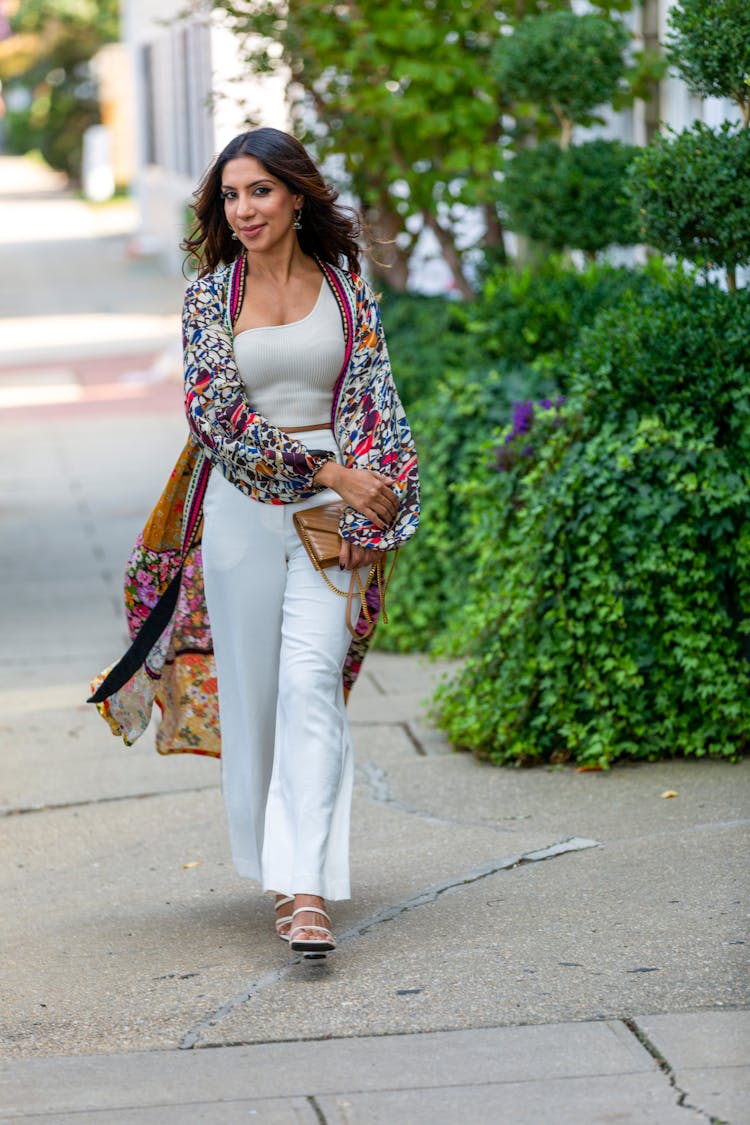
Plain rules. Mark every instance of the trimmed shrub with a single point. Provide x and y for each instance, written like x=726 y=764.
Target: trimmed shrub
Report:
x=570 y=197
x=566 y=63
x=608 y=610
x=709 y=43
x=690 y=192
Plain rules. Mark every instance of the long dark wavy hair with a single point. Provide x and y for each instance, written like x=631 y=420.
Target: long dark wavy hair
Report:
x=328 y=232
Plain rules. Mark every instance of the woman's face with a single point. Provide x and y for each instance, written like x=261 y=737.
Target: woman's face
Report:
x=258 y=207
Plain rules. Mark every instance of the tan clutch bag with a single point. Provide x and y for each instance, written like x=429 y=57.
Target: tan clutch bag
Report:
x=318 y=528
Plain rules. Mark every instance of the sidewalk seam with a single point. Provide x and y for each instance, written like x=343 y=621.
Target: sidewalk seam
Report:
x=26 y=809
x=375 y=780
x=666 y=1068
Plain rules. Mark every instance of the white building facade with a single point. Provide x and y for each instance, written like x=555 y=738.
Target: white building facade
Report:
x=192 y=95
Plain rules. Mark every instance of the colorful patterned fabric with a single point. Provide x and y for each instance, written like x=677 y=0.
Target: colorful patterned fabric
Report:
x=177 y=672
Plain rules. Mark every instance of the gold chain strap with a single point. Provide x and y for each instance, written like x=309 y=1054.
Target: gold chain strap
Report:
x=377 y=573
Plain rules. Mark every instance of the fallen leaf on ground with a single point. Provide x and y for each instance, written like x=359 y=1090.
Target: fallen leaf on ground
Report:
x=670 y=793
x=193 y=863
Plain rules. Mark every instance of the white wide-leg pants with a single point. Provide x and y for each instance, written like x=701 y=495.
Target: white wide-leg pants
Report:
x=280 y=640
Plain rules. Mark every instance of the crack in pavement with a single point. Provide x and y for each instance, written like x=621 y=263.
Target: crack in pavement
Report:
x=422 y=898
x=666 y=1068
x=313 y=1103
x=24 y=810
x=375 y=781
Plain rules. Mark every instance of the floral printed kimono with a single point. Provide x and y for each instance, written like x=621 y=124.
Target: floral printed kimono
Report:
x=171 y=660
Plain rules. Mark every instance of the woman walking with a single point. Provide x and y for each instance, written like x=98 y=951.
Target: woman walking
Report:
x=291 y=404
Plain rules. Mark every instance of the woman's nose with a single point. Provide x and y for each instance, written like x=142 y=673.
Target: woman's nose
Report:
x=245 y=206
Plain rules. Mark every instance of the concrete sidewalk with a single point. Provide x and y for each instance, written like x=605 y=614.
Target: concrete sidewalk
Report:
x=522 y=946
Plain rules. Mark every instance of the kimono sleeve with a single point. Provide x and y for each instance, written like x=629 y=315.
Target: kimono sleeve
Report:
x=251 y=453
x=377 y=431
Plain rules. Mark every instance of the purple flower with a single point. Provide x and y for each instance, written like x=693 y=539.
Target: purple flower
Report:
x=521 y=418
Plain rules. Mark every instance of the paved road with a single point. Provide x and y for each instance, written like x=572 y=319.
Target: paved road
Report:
x=523 y=946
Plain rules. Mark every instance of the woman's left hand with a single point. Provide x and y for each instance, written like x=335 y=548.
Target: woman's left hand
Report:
x=352 y=556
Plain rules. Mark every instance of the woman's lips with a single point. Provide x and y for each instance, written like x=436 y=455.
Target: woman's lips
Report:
x=249 y=232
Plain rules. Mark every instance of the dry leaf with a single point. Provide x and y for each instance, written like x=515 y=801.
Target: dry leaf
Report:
x=594 y=767
x=670 y=793
x=193 y=863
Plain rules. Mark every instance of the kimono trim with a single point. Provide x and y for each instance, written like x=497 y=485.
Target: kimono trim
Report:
x=178 y=671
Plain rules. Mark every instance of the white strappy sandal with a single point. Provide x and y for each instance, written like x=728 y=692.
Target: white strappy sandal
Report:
x=286 y=920
x=315 y=946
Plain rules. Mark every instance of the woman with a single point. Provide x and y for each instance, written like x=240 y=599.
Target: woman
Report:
x=289 y=393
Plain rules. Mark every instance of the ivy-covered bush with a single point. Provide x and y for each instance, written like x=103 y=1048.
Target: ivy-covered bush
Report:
x=426 y=337
x=458 y=382
x=450 y=429
x=608 y=615
x=517 y=317
x=522 y=315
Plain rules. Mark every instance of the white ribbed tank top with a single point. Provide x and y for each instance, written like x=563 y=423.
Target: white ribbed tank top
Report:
x=290 y=370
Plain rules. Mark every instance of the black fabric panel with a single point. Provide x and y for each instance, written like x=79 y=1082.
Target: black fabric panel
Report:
x=148 y=635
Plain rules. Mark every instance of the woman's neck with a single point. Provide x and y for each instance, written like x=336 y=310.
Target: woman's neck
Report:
x=279 y=265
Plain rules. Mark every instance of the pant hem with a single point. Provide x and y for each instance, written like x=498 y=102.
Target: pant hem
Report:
x=333 y=891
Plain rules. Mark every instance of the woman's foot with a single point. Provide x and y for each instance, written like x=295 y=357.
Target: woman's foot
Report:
x=284 y=906
x=310 y=927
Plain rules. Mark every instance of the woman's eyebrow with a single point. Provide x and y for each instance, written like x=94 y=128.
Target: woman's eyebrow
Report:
x=251 y=185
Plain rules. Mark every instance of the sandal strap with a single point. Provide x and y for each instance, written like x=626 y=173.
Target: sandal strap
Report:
x=306 y=929
x=282 y=922
x=283 y=902
x=310 y=910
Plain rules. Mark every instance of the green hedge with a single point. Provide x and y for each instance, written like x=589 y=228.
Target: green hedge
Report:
x=459 y=368
x=608 y=610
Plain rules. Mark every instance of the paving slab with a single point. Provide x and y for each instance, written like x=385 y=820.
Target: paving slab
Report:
x=721 y=1094
x=625 y=1100
x=708 y=1057
x=536 y=943
x=700 y=1039
x=143 y=889
x=259 y=1111
x=494 y=1055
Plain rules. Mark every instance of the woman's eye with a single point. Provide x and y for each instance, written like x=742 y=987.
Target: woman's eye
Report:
x=229 y=195
x=262 y=191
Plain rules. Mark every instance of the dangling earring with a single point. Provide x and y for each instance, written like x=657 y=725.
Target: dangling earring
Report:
x=297 y=224
x=236 y=237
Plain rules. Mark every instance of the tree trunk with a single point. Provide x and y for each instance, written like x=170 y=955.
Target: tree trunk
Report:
x=732 y=279
x=389 y=261
x=494 y=236
x=450 y=254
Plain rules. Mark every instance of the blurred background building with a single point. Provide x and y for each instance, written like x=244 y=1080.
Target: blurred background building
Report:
x=190 y=96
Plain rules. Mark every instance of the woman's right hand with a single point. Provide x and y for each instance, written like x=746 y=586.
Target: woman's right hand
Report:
x=366 y=490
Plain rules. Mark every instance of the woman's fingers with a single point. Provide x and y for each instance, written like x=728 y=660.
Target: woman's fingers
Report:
x=352 y=556
x=345 y=554
x=370 y=493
